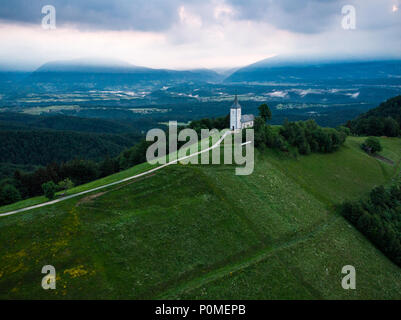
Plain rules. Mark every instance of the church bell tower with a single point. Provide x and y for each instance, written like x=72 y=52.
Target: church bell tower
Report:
x=235 y=115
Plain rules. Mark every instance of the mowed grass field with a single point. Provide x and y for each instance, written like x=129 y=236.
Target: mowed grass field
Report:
x=201 y=232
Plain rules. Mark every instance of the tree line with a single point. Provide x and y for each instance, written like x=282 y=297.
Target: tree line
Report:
x=305 y=136
x=25 y=185
x=379 y=219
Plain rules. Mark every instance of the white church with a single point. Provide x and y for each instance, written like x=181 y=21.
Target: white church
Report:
x=238 y=121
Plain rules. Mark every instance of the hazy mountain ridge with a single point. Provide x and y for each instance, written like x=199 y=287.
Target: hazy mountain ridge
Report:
x=279 y=69
x=83 y=69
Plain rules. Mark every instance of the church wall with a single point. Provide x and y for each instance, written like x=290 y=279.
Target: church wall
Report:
x=248 y=124
x=239 y=118
x=235 y=119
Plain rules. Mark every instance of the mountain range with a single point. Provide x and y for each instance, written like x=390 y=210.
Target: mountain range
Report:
x=110 y=71
x=296 y=70
x=100 y=74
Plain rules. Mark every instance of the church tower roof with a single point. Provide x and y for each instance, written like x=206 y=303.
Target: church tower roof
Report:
x=236 y=104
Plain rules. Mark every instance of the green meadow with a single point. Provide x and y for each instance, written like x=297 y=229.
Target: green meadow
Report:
x=201 y=232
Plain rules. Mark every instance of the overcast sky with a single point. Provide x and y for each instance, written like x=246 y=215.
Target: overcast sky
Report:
x=195 y=34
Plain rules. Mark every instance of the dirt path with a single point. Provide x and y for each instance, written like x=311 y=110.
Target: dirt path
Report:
x=90 y=198
x=384 y=159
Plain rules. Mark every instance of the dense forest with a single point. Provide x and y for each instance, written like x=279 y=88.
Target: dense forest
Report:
x=21 y=121
x=28 y=141
x=39 y=147
x=7 y=169
x=385 y=120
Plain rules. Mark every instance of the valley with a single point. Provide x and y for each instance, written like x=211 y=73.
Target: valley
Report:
x=330 y=93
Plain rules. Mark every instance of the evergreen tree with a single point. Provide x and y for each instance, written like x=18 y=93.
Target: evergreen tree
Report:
x=264 y=112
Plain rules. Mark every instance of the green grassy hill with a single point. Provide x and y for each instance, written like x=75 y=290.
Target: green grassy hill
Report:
x=203 y=232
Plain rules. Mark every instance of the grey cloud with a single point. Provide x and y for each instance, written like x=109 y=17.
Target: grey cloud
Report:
x=147 y=15
x=315 y=16
x=301 y=16
x=309 y=16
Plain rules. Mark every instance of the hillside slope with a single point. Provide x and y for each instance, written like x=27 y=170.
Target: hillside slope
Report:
x=202 y=232
x=384 y=120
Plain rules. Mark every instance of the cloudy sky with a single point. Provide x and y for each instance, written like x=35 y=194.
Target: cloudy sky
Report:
x=195 y=34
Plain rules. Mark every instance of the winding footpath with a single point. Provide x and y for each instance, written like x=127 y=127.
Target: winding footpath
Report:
x=118 y=182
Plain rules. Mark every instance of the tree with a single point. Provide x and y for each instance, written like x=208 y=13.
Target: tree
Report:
x=9 y=194
x=376 y=126
x=391 y=127
x=344 y=130
x=65 y=184
x=108 y=167
x=372 y=145
x=79 y=171
x=49 y=189
x=378 y=218
x=379 y=197
x=264 y=112
x=260 y=132
x=352 y=211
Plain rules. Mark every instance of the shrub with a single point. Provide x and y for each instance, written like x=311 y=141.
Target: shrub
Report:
x=9 y=194
x=65 y=184
x=345 y=130
x=49 y=189
x=372 y=145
